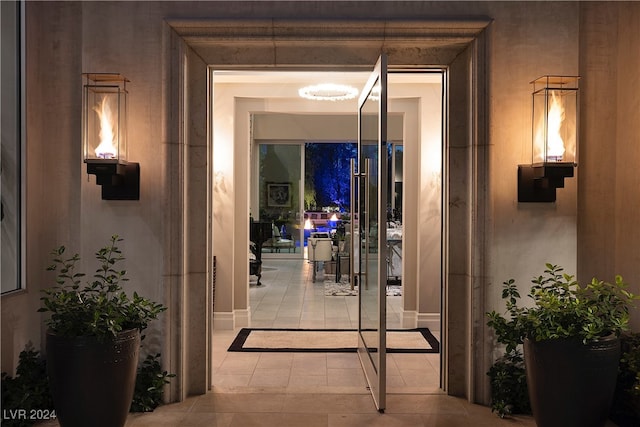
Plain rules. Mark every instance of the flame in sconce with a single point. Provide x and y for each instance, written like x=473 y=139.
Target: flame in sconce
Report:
x=555 y=143
x=106 y=149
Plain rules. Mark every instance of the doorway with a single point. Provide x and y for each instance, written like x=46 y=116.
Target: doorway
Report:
x=279 y=125
x=461 y=52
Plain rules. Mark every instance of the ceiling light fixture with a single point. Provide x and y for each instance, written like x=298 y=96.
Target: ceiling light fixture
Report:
x=328 y=92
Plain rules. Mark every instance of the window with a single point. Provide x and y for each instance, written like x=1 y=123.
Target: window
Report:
x=11 y=113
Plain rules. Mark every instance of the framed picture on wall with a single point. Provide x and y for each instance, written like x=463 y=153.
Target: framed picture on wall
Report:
x=279 y=195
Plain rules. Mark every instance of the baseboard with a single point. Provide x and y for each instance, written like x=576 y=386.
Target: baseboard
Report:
x=222 y=320
x=409 y=319
x=225 y=321
x=242 y=318
x=429 y=320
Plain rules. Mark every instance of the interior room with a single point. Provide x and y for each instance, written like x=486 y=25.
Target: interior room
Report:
x=298 y=286
x=280 y=119
x=287 y=134
x=221 y=139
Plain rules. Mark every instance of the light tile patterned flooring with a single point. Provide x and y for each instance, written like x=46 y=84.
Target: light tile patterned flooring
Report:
x=315 y=389
x=288 y=298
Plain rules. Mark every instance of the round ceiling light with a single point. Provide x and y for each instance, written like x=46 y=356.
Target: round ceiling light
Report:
x=328 y=92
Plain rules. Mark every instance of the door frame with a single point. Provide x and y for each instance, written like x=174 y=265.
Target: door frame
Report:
x=195 y=45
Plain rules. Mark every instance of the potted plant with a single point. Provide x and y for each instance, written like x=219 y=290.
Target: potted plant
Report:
x=571 y=344
x=93 y=339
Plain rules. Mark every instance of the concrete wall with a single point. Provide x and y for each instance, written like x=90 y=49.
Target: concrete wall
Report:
x=609 y=182
x=53 y=164
x=592 y=225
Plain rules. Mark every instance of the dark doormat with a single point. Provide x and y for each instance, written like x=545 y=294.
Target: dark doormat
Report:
x=419 y=340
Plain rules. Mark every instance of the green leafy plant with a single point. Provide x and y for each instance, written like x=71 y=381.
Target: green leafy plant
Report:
x=100 y=308
x=629 y=378
x=509 y=394
x=28 y=391
x=309 y=198
x=626 y=404
x=562 y=309
x=630 y=362
x=150 y=382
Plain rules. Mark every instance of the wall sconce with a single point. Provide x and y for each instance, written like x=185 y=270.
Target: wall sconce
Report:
x=104 y=134
x=553 y=140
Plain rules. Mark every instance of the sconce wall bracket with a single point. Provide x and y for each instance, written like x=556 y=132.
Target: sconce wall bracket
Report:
x=119 y=180
x=537 y=183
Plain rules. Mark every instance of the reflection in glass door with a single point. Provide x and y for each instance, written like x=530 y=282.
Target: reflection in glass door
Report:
x=279 y=198
x=369 y=247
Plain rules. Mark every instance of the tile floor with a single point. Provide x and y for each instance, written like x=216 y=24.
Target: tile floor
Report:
x=288 y=298
x=314 y=389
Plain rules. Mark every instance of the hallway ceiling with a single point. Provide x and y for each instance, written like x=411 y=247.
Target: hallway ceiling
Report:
x=356 y=78
x=284 y=85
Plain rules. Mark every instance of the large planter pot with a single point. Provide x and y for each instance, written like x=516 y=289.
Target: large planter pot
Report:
x=92 y=381
x=571 y=384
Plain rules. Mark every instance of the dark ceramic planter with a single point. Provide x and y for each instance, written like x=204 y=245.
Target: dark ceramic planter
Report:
x=571 y=384
x=92 y=382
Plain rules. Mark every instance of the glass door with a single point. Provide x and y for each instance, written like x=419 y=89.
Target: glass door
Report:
x=368 y=230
